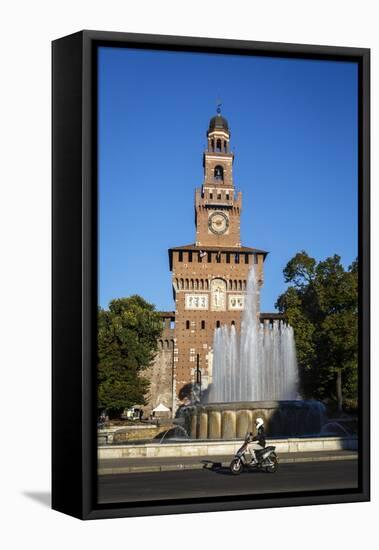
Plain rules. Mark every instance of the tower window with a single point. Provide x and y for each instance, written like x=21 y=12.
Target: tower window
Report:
x=180 y=256
x=209 y=258
x=218 y=146
x=187 y=325
x=213 y=144
x=233 y=323
x=190 y=256
x=218 y=324
x=237 y=258
x=219 y=173
x=211 y=196
x=225 y=147
x=255 y=258
x=227 y=196
x=203 y=325
x=228 y=258
x=219 y=196
x=246 y=258
x=218 y=257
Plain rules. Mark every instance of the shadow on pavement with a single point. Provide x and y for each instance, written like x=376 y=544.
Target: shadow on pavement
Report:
x=218 y=468
x=211 y=465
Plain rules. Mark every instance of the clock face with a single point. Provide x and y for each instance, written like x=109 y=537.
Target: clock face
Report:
x=218 y=223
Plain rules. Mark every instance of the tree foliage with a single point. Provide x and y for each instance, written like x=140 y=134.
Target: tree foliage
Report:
x=127 y=344
x=321 y=304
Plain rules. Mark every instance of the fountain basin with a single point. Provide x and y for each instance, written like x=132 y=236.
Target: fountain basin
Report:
x=233 y=420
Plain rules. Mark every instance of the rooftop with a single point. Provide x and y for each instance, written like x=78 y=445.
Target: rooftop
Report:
x=225 y=249
x=234 y=249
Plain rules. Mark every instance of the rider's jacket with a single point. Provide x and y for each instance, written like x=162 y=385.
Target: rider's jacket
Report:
x=260 y=438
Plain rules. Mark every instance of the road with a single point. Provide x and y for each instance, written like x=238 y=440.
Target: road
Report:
x=206 y=483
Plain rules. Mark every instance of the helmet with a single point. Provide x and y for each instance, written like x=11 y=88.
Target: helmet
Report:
x=259 y=422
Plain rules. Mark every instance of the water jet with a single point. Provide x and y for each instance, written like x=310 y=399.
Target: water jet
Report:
x=254 y=374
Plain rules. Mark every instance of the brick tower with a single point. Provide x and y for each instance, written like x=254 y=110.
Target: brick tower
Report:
x=209 y=277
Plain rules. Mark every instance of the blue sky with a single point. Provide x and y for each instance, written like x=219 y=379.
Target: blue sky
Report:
x=294 y=134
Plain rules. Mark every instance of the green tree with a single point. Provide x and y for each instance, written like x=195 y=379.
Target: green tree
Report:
x=321 y=304
x=127 y=344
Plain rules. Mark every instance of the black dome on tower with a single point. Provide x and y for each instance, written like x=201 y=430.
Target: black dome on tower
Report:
x=218 y=122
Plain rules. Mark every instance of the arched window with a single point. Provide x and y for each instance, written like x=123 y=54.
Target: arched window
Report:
x=218 y=146
x=225 y=147
x=213 y=144
x=187 y=325
x=218 y=324
x=219 y=173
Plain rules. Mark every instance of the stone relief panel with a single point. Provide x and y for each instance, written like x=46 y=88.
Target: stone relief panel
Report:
x=196 y=301
x=236 y=301
x=218 y=295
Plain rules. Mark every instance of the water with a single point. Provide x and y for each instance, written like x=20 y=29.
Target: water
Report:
x=257 y=364
x=173 y=435
x=336 y=428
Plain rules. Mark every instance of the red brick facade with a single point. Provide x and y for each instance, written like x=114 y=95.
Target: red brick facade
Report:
x=209 y=279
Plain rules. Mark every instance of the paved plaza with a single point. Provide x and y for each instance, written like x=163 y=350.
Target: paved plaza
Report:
x=290 y=477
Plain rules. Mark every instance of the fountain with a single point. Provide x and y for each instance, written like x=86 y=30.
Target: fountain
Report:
x=255 y=374
x=258 y=364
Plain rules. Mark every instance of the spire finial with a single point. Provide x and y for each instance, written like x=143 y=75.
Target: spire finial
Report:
x=218 y=106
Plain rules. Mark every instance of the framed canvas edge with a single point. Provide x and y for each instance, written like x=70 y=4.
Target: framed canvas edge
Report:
x=81 y=376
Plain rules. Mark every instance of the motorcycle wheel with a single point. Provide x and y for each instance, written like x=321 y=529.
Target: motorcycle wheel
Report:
x=236 y=466
x=273 y=466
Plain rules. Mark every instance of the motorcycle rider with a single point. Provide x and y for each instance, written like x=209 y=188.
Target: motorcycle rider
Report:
x=257 y=442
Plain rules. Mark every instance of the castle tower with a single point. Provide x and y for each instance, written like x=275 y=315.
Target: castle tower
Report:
x=209 y=277
x=217 y=210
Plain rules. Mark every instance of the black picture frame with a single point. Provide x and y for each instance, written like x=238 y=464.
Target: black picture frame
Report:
x=74 y=272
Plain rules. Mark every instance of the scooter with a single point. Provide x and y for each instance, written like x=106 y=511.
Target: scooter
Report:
x=266 y=459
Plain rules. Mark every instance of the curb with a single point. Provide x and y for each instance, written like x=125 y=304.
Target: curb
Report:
x=203 y=465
